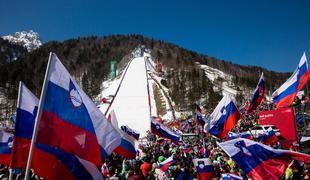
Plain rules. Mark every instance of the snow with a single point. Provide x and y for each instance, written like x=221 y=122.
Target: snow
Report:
x=131 y=102
x=30 y=39
x=213 y=74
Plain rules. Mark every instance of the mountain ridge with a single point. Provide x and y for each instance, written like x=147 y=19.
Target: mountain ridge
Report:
x=88 y=58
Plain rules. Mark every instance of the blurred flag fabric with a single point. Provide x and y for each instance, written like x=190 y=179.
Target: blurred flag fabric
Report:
x=260 y=161
x=269 y=137
x=6 y=141
x=204 y=168
x=166 y=163
x=229 y=176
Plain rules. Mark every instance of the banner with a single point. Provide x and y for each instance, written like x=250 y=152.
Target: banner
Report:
x=283 y=119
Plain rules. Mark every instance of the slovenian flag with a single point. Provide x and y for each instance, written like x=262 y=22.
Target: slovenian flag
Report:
x=204 y=168
x=229 y=176
x=269 y=137
x=163 y=131
x=232 y=135
x=243 y=108
x=27 y=107
x=70 y=122
x=64 y=164
x=54 y=163
x=285 y=95
x=131 y=132
x=259 y=95
x=166 y=164
x=6 y=141
x=223 y=118
x=199 y=117
x=260 y=161
x=126 y=148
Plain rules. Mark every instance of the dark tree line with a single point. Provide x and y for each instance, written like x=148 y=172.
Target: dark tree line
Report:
x=88 y=58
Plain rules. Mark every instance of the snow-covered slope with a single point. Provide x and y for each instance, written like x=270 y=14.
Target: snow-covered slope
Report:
x=131 y=102
x=30 y=39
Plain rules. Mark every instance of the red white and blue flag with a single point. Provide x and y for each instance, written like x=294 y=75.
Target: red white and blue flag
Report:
x=163 y=131
x=54 y=163
x=224 y=117
x=260 y=161
x=6 y=141
x=64 y=164
x=130 y=132
x=71 y=121
x=126 y=148
x=285 y=95
x=204 y=168
x=269 y=137
x=105 y=170
x=166 y=163
x=259 y=95
x=244 y=107
x=229 y=176
x=71 y=128
x=232 y=135
x=27 y=106
x=199 y=117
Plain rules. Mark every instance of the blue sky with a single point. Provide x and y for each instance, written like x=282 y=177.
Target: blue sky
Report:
x=268 y=33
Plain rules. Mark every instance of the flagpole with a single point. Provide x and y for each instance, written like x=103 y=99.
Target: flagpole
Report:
x=18 y=105
x=38 y=117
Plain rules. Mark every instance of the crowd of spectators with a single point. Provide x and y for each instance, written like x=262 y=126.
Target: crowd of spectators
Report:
x=155 y=150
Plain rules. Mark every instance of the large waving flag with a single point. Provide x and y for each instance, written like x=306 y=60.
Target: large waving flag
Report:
x=259 y=95
x=285 y=95
x=26 y=112
x=6 y=141
x=166 y=163
x=71 y=121
x=204 y=168
x=126 y=148
x=260 y=161
x=224 y=117
x=69 y=126
x=163 y=131
x=65 y=166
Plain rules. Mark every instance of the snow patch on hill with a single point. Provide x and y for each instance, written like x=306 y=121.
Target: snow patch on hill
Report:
x=221 y=80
